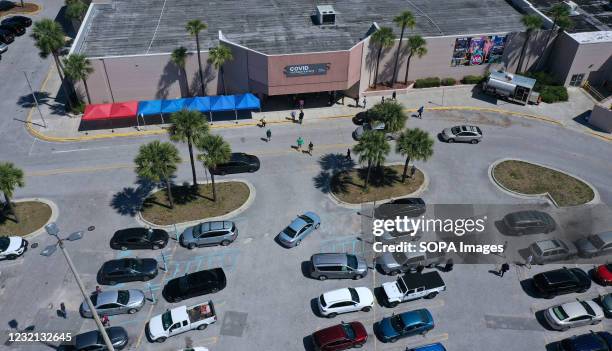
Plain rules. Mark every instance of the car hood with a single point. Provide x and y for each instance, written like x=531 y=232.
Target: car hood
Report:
x=447 y=131
x=149 y=265
x=387 y=260
x=15 y=243
x=584 y=245
x=285 y=238
x=172 y=288
x=156 y=328
x=362 y=264
x=136 y=297
x=606 y=301
x=391 y=290
x=117 y=335
x=365 y=295
x=386 y=329
x=188 y=234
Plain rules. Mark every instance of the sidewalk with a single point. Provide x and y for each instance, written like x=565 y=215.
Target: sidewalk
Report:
x=570 y=114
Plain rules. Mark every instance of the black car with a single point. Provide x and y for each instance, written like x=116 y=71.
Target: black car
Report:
x=239 y=163
x=92 y=340
x=406 y=207
x=529 y=222
x=195 y=284
x=139 y=238
x=593 y=341
x=14 y=28
x=127 y=270
x=561 y=281
x=20 y=20
x=6 y=36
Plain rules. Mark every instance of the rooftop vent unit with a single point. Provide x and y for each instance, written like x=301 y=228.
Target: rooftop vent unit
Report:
x=573 y=7
x=326 y=15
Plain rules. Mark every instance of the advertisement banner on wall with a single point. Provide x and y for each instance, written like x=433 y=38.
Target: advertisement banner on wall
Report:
x=473 y=51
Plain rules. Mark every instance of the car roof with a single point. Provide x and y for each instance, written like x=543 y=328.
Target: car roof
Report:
x=549 y=244
x=590 y=341
x=337 y=295
x=559 y=275
x=431 y=347
x=416 y=316
x=216 y=225
x=105 y=297
x=529 y=216
x=606 y=237
x=329 y=258
x=330 y=334
x=574 y=309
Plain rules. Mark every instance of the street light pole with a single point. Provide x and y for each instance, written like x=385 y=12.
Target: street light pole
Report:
x=35 y=100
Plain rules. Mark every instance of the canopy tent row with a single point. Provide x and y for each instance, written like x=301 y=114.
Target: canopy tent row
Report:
x=110 y=112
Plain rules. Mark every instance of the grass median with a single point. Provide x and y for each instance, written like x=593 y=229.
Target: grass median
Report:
x=530 y=179
x=32 y=216
x=192 y=205
x=348 y=186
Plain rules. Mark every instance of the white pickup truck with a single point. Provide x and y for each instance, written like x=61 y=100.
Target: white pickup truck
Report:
x=181 y=319
x=413 y=286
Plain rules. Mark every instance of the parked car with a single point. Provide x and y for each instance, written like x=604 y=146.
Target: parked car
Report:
x=551 y=250
x=3 y=48
x=6 y=36
x=195 y=284
x=372 y=126
x=393 y=263
x=529 y=222
x=593 y=341
x=413 y=286
x=430 y=347
x=21 y=20
x=561 y=281
x=338 y=265
x=405 y=324
x=197 y=348
x=345 y=300
x=606 y=304
x=595 y=245
x=573 y=314
x=139 y=238
x=113 y=302
x=181 y=319
x=92 y=340
x=603 y=274
x=238 y=163
x=464 y=133
x=12 y=247
x=404 y=207
x=340 y=337
x=14 y=28
x=127 y=270
x=298 y=229
x=209 y=233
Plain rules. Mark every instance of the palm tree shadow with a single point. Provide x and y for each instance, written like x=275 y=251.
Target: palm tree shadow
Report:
x=131 y=200
x=379 y=176
x=334 y=169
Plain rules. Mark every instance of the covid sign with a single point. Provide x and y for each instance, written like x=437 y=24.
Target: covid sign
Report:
x=311 y=69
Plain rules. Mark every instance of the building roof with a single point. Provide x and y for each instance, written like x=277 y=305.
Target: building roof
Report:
x=589 y=15
x=136 y=27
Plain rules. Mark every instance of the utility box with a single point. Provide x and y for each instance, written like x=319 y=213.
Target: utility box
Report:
x=326 y=15
x=512 y=87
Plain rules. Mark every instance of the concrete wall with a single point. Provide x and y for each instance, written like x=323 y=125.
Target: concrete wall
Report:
x=593 y=60
x=601 y=117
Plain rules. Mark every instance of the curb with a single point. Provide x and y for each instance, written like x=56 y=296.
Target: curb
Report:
x=52 y=218
x=239 y=210
x=424 y=186
x=596 y=199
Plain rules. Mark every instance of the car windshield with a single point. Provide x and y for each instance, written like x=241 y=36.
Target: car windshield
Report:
x=306 y=219
x=587 y=308
x=348 y=330
x=455 y=130
x=322 y=300
x=183 y=283
x=397 y=323
x=609 y=267
x=123 y=296
x=352 y=261
x=166 y=320
x=402 y=286
x=399 y=257
x=290 y=232
x=537 y=250
x=560 y=313
x=4 y=243
x=197 y=230
x=596 y=241
x=354 y=295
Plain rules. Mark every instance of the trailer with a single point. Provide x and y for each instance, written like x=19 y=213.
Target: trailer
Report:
x=512 y=87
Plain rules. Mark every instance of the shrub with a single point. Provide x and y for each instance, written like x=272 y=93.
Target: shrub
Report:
x=448 y=81
x=427 y=82
x=78 y=108
x=553 y=93
x=542 y=80
x=472 y=79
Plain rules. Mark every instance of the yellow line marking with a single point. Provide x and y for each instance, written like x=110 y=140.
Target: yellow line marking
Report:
x=79 y=170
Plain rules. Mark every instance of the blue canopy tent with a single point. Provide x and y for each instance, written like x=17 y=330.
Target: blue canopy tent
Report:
x=201 y=104
x=149 y=108
x=222 y=103
x=247 y=102
x=176 y=105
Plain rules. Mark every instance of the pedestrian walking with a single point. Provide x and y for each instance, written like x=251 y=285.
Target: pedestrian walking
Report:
x=301 y=116
x=310 y=147
x=412 y=171
x=364 y=102
x=342 y=99
x=529 y=261
x=504 y=268
x=348 y=154
x=382 y=99
x=299 y=142
x=263 y=122
x=420 y=111
x=63 y=311
x=269 y=134
x=394 y=95
x=301 y=104
x=98 y=289
x=449 y=265
x=293 y=116
x=357 y=101
x=105 y=321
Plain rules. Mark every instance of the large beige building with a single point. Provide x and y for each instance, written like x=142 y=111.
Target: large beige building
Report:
x=285 y=47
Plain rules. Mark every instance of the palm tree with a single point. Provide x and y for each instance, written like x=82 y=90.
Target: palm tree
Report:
x=194 y=27
x=75 y=10
x=385 y=38
x=531 y=23
x=157 y=161
x=10 y=177
x=405 y=19
x=77 y=67
x=414 y=144
x=391 y=113
x=560 y=15
x=372 y=149
x=188 y=126
x=416 y=46
x=218 y=57
x=215 y=152
x=179 y=58
x=49 y=39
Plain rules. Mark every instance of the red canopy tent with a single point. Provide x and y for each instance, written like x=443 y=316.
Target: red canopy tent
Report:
x=127 y=109
x=97 y=112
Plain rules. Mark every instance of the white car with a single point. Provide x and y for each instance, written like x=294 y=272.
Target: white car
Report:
x=12 y=247
x=574 y=314
x=345 y=300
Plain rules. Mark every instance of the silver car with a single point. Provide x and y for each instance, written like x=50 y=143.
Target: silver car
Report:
x=551 y=250
x=113 y=302
x=465 y=133
x=298 y=229
x=209 y=233
x=374 y=125
x=574 y=314
x=394 y=263
x=595 y=245
x=338 y=266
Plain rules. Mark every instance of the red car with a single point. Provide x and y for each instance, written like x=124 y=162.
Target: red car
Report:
x=340 y=337
x=603 y=274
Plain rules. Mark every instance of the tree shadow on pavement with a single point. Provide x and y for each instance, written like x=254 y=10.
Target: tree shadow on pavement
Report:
x=333 y=170
x=130 y=200
x=43 y=98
